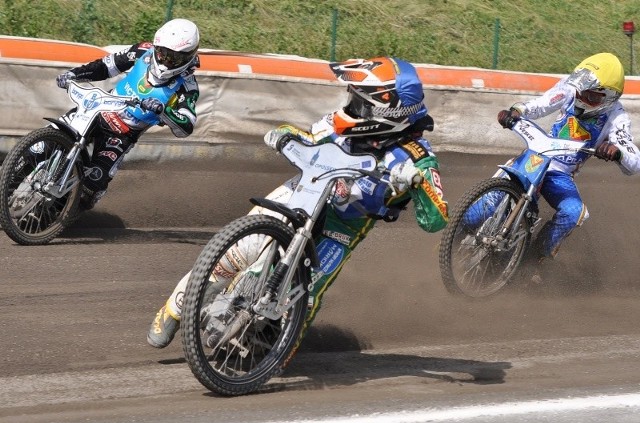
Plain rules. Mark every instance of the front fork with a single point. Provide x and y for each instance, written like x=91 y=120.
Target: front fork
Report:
x=507 y=236
x=60 y=184
x=284 y=271
x=277 y=300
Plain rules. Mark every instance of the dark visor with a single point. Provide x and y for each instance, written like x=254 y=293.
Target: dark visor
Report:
x=170 y=58
x=592 y=97
x=360 y=108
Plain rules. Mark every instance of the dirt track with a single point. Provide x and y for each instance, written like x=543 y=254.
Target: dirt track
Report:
x=84 y=303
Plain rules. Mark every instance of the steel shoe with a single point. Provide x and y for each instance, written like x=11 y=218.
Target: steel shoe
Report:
x=163 y=328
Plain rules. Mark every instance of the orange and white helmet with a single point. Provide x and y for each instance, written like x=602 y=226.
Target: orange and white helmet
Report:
x=385 y=97
x=175 y=46
x=599 y=82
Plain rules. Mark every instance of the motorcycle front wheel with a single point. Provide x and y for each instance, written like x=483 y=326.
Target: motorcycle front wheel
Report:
x=30 y=215
x=474 y=260
x=230 y=347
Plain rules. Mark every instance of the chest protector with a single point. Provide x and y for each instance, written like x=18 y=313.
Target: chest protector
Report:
x=571 y=128
x=135 y=84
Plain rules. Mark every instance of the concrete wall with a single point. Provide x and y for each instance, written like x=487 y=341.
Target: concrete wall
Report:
x=236 y=109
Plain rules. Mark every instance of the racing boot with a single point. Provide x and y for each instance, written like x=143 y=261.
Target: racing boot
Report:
x=163 y=328
x=531 y=266
x=89 y=198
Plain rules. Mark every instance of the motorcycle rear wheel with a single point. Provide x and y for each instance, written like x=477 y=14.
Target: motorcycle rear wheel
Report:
x=469 y=264
x=231 y=349
x=28 y=214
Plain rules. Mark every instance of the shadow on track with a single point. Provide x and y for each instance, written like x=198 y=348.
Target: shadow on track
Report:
x=99 y=227
x=331 y=357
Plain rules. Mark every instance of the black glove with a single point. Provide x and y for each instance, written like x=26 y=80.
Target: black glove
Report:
x=63 y=79
x=152 y=104
x=608 y=151
x=507 y=118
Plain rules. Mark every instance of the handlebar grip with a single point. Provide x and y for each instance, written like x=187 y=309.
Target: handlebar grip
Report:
x=284 y=140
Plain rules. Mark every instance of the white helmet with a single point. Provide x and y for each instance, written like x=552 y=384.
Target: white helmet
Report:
x=175 y=47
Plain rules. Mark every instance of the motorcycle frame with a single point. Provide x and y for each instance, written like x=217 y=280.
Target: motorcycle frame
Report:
x=529 y=169
x=302 y=215
x=91 y=101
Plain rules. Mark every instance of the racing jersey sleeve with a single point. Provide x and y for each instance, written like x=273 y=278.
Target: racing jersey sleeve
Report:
x=431 y=210
x=319 y=133
x=180 y=116
x=112 y=64
x=559 y=97
x=620 y=135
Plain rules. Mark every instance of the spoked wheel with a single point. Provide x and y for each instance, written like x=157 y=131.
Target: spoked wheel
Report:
x=474 y=260
x=29 y=214
x=231 y=348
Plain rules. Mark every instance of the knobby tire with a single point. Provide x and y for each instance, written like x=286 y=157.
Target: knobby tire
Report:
x=283 y=333
x=452 y=242
x=49 y=217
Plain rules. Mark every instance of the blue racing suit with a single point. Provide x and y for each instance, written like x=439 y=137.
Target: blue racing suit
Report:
x=558 y=187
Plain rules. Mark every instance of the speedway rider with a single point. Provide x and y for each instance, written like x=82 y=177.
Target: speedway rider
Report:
x=589 y=110
x=385 y=115
x=161 y=75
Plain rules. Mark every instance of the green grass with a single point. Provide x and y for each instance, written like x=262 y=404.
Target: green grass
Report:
x=547 y=36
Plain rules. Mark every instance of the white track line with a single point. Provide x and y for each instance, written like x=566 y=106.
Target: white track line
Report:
x=505 y=409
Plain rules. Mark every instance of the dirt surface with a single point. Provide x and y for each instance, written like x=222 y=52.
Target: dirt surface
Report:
x=74 y=314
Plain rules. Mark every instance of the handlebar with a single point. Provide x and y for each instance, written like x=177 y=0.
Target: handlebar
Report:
x=131 y=101
x=134 y=102
x=350 y=172
x=590 y=151
x=586 y=150
x=379 y=174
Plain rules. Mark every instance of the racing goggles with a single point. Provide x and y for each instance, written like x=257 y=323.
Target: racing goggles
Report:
x=359 y=107
x=593 y=97
x=170 y=58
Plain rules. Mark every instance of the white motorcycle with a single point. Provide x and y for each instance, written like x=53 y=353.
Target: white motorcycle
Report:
x=242 y=314
x=41 y=177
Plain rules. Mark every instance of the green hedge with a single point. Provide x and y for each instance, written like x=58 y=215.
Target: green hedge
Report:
x=547 y=36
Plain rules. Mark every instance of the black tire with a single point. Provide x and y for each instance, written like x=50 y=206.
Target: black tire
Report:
x=468 y=264
x=28 y=215
x=246 y=349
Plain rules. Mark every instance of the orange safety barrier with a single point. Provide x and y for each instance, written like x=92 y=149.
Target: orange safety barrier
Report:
x=244 y=63
x=49 y=50
x=265 y=65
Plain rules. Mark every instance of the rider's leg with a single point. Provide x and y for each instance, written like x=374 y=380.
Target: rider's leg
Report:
x=561 y=192
x=167 y=320
x=336 y=243
x=108 y=153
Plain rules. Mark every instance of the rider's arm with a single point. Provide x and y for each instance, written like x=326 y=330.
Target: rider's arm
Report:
x=181 y=116
x=428 y=198
x=320 y=132
x=557 y=97
x=110 y=65
x=620 y=136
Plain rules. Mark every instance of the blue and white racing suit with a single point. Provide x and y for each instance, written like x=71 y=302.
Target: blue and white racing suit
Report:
x=558 y=188
x=120 y=130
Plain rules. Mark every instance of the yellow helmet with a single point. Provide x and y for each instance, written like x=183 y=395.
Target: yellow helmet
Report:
x=599 y=82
